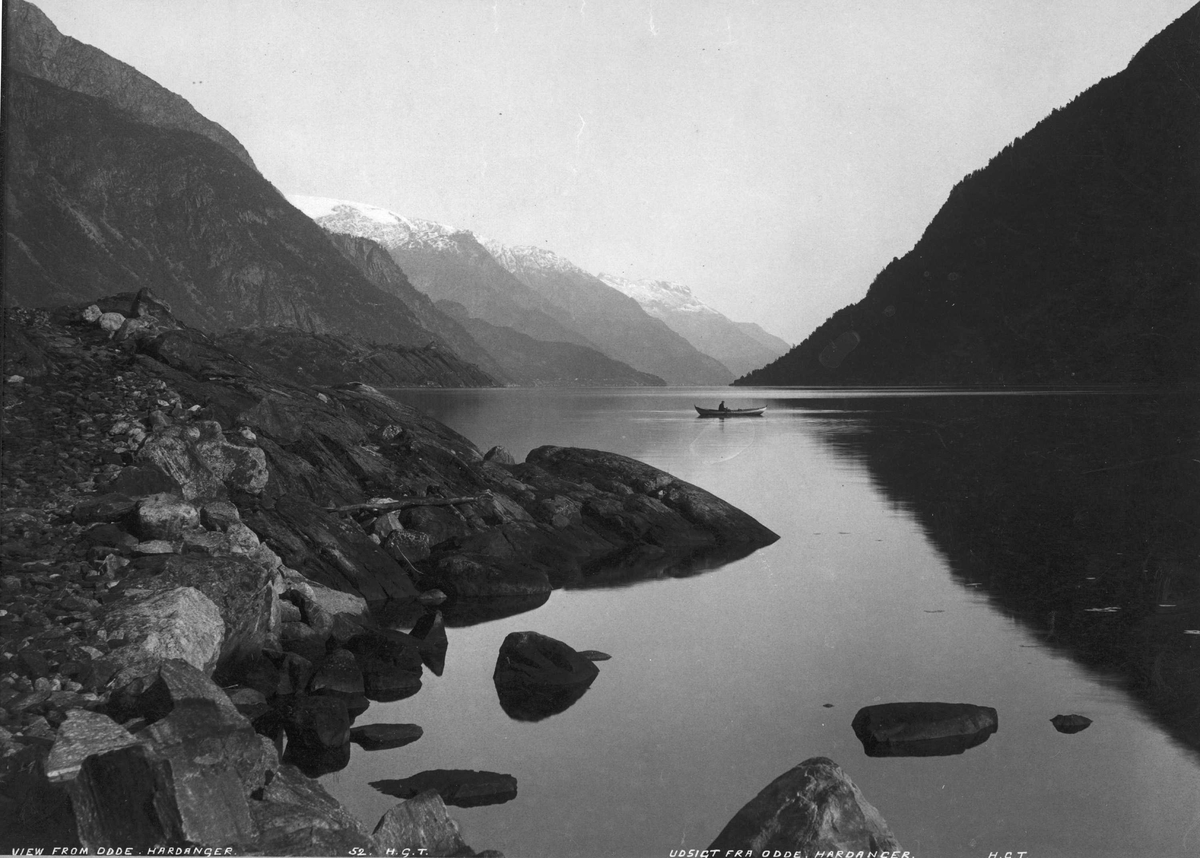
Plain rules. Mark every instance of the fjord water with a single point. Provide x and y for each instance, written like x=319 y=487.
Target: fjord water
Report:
x=1033 y=552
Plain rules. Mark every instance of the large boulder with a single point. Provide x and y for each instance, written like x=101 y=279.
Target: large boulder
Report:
x=135 y=798
x=239 y=586
x=337 y=673
x=296 y=816
x=240 y=467
x=165 y=516
x=419 y=826
x=390 y=662
x=83 y=734
x=537 y=676
x=698 y=510
x=172 y=450
x=180 y=622
x=811 y=809
x=317 y=722
x=923 y=729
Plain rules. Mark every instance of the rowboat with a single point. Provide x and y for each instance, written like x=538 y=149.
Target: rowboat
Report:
x=730 y=412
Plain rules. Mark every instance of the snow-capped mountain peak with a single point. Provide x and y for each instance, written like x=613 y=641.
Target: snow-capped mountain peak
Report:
x=528 y=256
x=379 y=224
x=659 y=296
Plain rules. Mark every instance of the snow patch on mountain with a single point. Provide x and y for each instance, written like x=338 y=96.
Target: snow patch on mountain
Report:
x=659 y=297
x=378 y=224
x=529 y=257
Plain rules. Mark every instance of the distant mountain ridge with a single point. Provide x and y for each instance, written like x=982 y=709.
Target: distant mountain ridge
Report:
x=615 y=322
x=444 y=263
x=740 y=347
x=33 y=45
x=528 y=290
x=377 y=265
x=1073 y=257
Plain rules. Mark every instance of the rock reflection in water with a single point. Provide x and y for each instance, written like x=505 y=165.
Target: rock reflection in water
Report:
x=537 y=704
x=1075 y=513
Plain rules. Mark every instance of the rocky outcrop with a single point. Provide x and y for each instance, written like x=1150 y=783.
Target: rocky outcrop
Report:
x=255 y=520
x=923 y=729
x=810 y=809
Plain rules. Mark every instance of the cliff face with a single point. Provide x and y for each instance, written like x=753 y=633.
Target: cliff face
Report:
x=1071 y=258
x=98 y=203
x=35 y=47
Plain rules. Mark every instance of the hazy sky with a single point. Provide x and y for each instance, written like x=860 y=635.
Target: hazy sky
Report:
x=772 y=155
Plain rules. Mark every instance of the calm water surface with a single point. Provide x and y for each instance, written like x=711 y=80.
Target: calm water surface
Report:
x=917 y=537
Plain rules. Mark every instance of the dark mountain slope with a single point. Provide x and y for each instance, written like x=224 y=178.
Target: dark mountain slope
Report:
x=97 y=203
x=1073 y=257
x=377 y=265
x=33 y=45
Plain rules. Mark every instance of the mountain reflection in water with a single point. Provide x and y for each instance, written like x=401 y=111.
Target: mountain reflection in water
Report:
x=1077 y=514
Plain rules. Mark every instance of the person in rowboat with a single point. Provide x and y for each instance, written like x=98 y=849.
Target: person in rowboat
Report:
x=722 y=407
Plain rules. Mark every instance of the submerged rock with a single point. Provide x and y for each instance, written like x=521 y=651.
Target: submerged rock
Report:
x=812 y=808
x=1070 y=723
x=380 y=737
x=923 y=729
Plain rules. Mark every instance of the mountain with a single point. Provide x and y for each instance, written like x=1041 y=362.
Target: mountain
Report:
x=709 y=331
x=36 y=47
x=98 y=202
x=755 y=332
x=538 y=363
x=614 y=322
x=377 y=265
x=445 y=264
x=1072 y=257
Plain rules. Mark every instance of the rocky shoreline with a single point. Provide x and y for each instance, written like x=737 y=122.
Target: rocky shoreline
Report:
x=197 y=553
